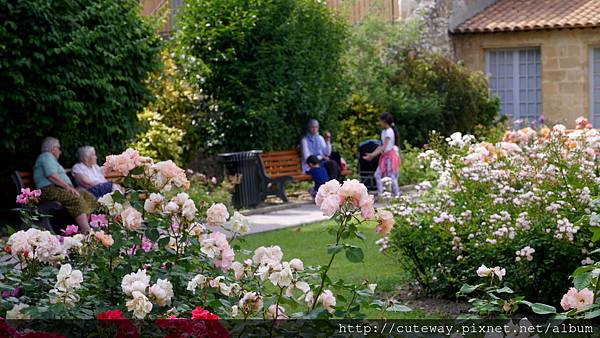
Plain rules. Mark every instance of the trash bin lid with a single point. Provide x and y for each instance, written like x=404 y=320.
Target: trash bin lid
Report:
x=240 y=153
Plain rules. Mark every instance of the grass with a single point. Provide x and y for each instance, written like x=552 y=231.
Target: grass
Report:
x=309 y=243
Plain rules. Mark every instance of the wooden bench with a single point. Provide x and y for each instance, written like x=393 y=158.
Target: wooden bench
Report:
x=24 y=179
x=287 y=163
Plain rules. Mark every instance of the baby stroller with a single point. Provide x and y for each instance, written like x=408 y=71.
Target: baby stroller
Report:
x=366 y=169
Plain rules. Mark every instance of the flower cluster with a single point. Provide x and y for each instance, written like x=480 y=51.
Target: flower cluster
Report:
x=68 y=280
x=531 y=192
x=41 y=246
x=135 y=285
x=28 y=196
x=484 y=271
x=331 y=196
x=123 y=163
x=575 y=299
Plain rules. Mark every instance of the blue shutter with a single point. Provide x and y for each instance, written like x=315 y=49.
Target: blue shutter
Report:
x=515 y=76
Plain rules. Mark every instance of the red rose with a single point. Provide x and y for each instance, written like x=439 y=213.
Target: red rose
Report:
x=110 y=315
x=7 y=249
x=200 y=313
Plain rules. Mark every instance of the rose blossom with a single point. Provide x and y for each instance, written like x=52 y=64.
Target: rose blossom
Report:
x=162 y=292
x=276 y=312
x=484 y=271
x=139 y=304
x=123 y=163
x=135 y=281
x=15 y=312
x=267 y=256
x=70 y=230
x=131 y=218
x=105 y=239
x=68 y=279
x=217 y=247
x=217 y=214
x=250 y=303
x=385 y=221
x=153 y=201
x=98 y=221
x=328 y=300
x=579 y=300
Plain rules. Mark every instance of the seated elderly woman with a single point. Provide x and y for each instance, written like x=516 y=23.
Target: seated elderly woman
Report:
x=50 y=177
x=89 y=175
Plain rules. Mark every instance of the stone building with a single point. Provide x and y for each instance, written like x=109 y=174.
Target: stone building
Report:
x=542 y=56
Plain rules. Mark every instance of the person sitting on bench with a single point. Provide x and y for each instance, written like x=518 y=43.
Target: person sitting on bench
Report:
x=50 y=177
x=318 y=174
x=314 y=144
x=89 y=175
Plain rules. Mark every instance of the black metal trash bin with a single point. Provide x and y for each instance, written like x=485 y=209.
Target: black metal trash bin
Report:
x=245 y=166
x=366 y=169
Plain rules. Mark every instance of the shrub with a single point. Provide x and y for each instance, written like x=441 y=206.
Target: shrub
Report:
x=493 y=203
x=390 y=70
x=170 y=118
x=152 y=256
x=412 y=170
x=271 y=65
x=75 y=70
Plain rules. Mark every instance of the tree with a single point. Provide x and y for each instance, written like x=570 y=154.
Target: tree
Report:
x=272 y=65
x=75 y=70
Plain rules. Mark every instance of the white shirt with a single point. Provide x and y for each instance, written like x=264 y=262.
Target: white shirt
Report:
x=93 y=174
x=388 y=133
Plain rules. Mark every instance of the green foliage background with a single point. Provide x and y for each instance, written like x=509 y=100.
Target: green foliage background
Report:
x=272 y=65
x=72 y=69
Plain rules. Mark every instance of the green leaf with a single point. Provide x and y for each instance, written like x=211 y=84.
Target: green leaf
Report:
x=398 y=308
x=592 y=314
x=354 y=254
x=333 y=249
x=583 y=280
x=542 y=309
x=152 y=234
x=466 y=288
x=505 y=289
x=10 y=230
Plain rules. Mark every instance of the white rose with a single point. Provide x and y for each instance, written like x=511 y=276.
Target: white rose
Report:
x=162 y=292
x=68 y=279
x=197 y=281
x=15 y=312
x=217 y=214
x=239 y=223
x=282 y=276
x=140 y=305
x=189 y=210
x=297 y=264
x=137 y=281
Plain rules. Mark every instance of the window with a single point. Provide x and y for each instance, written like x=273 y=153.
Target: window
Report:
x=595 y=86
x=515 y=76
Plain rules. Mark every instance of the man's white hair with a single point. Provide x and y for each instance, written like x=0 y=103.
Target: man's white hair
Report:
x=49 y=143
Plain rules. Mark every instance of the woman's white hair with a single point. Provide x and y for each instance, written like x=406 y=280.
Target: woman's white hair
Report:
x=84 y=152
x=49 y=143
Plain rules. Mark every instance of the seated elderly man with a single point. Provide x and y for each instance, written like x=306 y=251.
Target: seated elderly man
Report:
x=89 y=175
x=51 y=178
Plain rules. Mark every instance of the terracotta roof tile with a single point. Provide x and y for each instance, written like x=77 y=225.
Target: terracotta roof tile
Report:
x=519 y=15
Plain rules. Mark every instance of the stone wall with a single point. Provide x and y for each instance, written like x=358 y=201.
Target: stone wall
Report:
x=565 y=65
x=441 y=16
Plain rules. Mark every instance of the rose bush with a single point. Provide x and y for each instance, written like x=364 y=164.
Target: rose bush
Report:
x=526 y=203
x=152 y=256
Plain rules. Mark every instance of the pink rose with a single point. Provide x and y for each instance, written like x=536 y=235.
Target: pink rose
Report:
x=579 y=300
x=98 y=221
x=330 y=205
x=70 y=230
x=105 y=239
x=217 y=214
x=386 y=221
x=131 y=218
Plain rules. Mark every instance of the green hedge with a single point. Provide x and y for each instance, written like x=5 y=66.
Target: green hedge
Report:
x=272 y=65
x=72 y=69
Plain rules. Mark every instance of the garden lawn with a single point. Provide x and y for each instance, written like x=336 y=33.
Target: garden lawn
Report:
x=309 y=243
